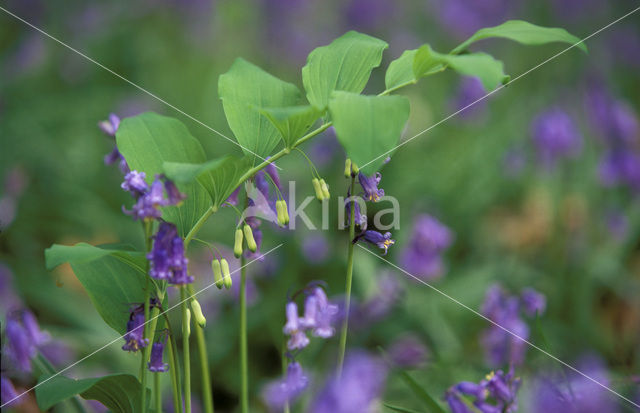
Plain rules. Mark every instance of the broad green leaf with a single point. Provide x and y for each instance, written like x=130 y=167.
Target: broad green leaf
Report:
x=113 y=279
x=220 y=177
x=246 y=88
x=400 y=71
x=421 y=393
x=525 y=33
x=292 y=122
x=481 y=65
x=345 y=64
x=147 y=141
x=119 y=392
x=368 y=126
x=398 y=408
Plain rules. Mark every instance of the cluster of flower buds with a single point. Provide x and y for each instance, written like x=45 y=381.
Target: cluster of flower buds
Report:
x=321 y=188
x=221 y=273
x=350 y=169
x=150 y=198
x=282 y=212
x=244 y=235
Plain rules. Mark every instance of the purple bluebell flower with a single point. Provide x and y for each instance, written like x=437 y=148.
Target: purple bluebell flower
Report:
x=110 y=126
x=156 y=364
x=360 y=219
x=408 y=352
x=174 y=196
x=497 y=393
x=370 y=186
x=382 y=241
x=280 y=392
x=324 y=313
x=467 y=98
x=167 y=256
x=233 y=198
x=455 y=403
x=356 y=390
x=8 y=392
x=134 y=338
x=135 y=183
x=297 y=337
x=315 y=248
x=24 y=337
x=533 y=302
x=555 y=136
x=423 y=256
x=574 y=393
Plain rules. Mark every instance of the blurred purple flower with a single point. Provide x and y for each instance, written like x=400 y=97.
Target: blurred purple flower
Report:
x=469 y=91
x=323 y=149
x=315 y=248
x=24 y=337
x=8 y=392
x=624 y=44
x=555 y=137
x=423 y=256
x=575 y=393
x=408 y=352
x=620 y=167
x=464 y=17
x=110 y=127
x=356 y=390
x=617 y=224
x=369 y=15
x=8 y=298
x=297 y=337
x=376 y=307
x=533 y=302
x=276 y=394
x=167 y=256
x=497 y=393
x=150 y=199
x=134 y=182
x=615 y=120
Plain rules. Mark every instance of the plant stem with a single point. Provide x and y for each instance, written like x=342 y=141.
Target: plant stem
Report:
x=175 y=378
x=158 y=392
x=204 y=363
x=349 y=278
x=145 y=330
x=192 y=233
x=185 y=349
x=244 y=398
x=284 y=370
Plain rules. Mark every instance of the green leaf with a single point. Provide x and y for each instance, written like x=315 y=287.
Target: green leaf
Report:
x=525 y=33
x=113 y=279
x=421 y=393
x=220 y=177
x=292 y=122
x=400 y=71
x=246 y=88
x=368 y=126
x=345 y=64
x=147 y=141
x=398 y=408
x=119 y=392
x=481 y=65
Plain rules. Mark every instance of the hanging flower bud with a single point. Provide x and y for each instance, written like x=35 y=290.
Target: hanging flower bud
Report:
x=248 y=234
x=325 y=189
x=156 y=365
x=217 y=273
x=347 y=168
x=226 y=274
x=197 y=313
x=237 y=246
x=354 y=169
x=283 y=213
x=188 y=314
x=318 y=188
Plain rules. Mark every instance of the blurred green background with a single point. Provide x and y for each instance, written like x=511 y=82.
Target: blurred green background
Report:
x=516 y=222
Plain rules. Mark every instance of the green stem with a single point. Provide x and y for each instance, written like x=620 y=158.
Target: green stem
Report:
x=192 y=233
x=204 y=363
x=284 y=370
x=45 y=365
x=244 y=374
x=175 y=376
x=148 y=225
x=185 y=349
x=158 y=392
x=349 y=278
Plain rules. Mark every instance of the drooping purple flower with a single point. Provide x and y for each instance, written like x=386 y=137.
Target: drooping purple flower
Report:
x=135 y=183
x=167 y=256
x=360 y=219
x=156 y=364
x=280 y=392
x=356 y=390
x=555 y=137
x=533 y=302
x=423 y=256
x=382 y=241
x=110 y=127
x=233 y=198
x=24 y=337
x=497 y=393
x=297 y=337
x=134 y=338
x=370 y=186
x=455 y=404
x=324 y=313
x=574 y=393
x=408 y=352
x=174 y=196
x=8 y=392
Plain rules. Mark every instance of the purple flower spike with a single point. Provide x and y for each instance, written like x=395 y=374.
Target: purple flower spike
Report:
x=362 y=381
x=423 y=255
x=360 y=219
x=135 y=331
x=370 y=186
x=555 y=136
x=135 y=183
x=278 y=393
x=167 y=256
x=23 y=338
x=8 y=392
x=156 y=364
x=533 y=302
x=382 y=241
